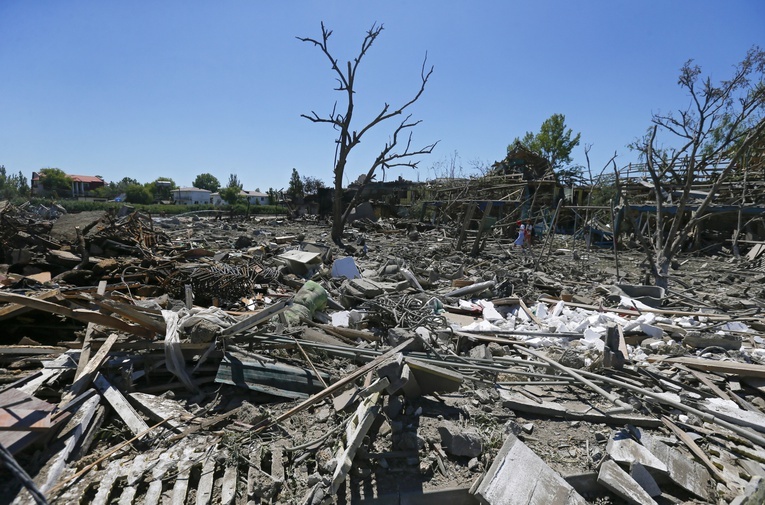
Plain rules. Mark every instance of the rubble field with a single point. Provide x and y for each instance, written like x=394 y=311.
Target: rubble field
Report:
x=194 y=359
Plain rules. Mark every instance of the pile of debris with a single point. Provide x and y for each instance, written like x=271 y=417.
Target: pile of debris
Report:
x=187 y=360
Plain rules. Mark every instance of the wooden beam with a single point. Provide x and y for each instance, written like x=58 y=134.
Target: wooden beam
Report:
x=16 y=309
x=126 y=412
x=727 y=367
x=89 y=370
x=84 y=315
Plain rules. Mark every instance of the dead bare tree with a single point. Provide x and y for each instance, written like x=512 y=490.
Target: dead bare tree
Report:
x=717 y=128
x=391 y=155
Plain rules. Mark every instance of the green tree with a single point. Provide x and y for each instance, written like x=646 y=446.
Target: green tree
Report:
x=350 y=133
x=295 y=189
x=125 y=182
x=55 y=182
x=207 y=181
x=273 y=198
x=12 y=186
x=136 y=193
x=231 y=193
x=162 y=188
x=311 y=185
x=553 y=142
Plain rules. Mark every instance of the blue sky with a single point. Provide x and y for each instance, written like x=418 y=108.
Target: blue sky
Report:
x=177 y=88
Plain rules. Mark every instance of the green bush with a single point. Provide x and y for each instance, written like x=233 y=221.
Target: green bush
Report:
x=75 y=206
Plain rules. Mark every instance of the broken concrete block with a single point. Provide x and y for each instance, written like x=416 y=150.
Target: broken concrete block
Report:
x=459 y=441
x=203 y=331
x=699 y=340
x=517 y=476
x=626 y=451
x=685 y=472
x=434 y=379
x=300 y=262
x=620 y=483
x=409 y=384
x=344 y=401
x=367 y=288
x=63 y=258
x=480 y=352
x=391 y=369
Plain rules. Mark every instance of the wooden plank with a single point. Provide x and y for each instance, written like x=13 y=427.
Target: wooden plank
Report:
x=530 y=314
x=277 y=461
x=252 y=473
x=20 y=411
x=157 y=408
x=694 y=448
x=727 y=367
x=178 y=459
x=181 y=486
x=632 y=312
x=16 y=309
x=84 y=315
x=205 y=486
x=355 y=431
x=89 y=370
x=228 y=485
x=120 y=405
x=30 y=350
x=131 y=314
x=517 y=476
x=108 y=478
x=704 y=380
x=51 y=370
x=133 y=479
x=85 y=352
x=481 y=229
x=49 y=474
x=259 y=318
x=465 y=224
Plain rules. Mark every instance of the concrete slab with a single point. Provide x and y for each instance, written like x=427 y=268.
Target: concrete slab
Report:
x=626 y=451
x=616 y=480
x=519 y=477
x=685 y=472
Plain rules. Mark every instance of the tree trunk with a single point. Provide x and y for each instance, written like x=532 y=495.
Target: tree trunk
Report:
x=661 y=271
x=337 y=213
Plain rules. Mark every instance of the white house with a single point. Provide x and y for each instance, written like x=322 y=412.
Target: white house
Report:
x=256 y=197
x=191 y=196
x=253 y=197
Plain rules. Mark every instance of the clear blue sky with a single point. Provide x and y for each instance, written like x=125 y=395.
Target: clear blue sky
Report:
x=176 y=88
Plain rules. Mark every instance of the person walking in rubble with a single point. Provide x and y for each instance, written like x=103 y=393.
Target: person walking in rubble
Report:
x=529 y=238
x=521 y=240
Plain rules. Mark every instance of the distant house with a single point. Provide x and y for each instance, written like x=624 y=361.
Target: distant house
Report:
x=256 y=197
x=82 y=185
x=253 y=197
x=191 y=196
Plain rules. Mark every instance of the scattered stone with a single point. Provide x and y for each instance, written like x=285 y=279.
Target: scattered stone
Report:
x=459 y=441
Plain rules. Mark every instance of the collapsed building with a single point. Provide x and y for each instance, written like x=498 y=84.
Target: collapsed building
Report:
x=186 y=360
